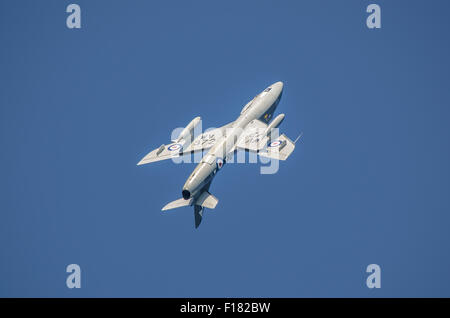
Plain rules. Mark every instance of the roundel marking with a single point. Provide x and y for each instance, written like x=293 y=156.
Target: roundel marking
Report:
x=275 y=143
x=174 y=147
x=219 y=163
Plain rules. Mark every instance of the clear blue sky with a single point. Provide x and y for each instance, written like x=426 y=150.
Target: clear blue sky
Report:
x=369 y=183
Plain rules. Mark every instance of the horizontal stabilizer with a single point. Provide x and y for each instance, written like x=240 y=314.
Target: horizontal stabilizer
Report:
x=177 y=204
x=207 y=200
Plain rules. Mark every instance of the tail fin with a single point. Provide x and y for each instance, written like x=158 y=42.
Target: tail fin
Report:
x=198 y=215
x=205 y=200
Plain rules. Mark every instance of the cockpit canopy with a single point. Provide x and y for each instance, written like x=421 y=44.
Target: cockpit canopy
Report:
x=247 y=106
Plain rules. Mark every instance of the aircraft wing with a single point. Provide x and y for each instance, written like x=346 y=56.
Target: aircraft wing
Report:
x=280 y=149
x=162 y=153
x=207 y=139
x=202 y=142
x=255 y=139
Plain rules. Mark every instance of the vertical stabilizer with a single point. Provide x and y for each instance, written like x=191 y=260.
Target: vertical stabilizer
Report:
x=198 y=214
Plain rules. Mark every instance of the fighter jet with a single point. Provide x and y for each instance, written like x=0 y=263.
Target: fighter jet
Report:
x=251 y=132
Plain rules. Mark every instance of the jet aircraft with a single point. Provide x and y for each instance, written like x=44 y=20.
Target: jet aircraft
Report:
x=251 y=132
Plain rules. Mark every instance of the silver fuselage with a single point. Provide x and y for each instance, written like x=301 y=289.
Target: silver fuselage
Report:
x=261 y=107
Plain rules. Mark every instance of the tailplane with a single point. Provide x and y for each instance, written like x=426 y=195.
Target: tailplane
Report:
x=177 y=204
x=207 y=200
x=204 y=200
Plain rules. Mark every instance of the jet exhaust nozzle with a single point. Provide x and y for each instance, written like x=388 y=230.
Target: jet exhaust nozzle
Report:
x=186 y=194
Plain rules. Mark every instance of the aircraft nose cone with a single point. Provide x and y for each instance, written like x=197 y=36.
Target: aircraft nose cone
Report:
x=278 y=86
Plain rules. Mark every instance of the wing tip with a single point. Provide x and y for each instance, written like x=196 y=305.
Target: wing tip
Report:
x=142 y=162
